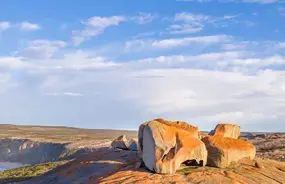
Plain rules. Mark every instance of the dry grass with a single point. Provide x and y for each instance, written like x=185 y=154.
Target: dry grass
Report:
x=59 y=134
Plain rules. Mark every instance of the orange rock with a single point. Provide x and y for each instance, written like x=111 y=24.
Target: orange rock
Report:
x=177 y=124
x=226 y=130
x=202 y=135
x=165 y=145
x=223 y=150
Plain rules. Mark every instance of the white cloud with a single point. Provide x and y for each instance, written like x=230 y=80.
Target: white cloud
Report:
x=135 y=45
x=191 y=18
x=95 y=26
x=139 y=45
x=178 y=42
x=104 y=22
x=38 y=58
x=200 y=96
x=27 y=26
x=184 y=29
x=186 y=22
x=184 y=94
x=13 y=63
x=144 y=18
x=42 y=49
x=4 y=25
x=6 y=82
x=192 y=23
x=71 y=94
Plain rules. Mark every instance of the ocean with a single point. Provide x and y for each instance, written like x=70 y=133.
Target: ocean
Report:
x=8 y=165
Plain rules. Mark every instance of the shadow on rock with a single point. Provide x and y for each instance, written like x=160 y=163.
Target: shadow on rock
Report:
x=91 y=167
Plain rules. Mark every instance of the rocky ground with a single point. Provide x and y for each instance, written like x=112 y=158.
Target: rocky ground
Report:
x=270 y=146
x=108 y=166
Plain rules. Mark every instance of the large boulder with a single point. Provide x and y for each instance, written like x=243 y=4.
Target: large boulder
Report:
x=222 y=151
x=165 y=145
x=125 y=143
x=226 y=130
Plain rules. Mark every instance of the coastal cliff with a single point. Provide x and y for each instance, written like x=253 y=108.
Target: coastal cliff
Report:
x=29 y=152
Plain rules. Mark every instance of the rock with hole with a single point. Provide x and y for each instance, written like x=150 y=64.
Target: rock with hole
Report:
x=165 y=145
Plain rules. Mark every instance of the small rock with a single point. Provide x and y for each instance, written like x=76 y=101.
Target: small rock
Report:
x=258 y=165
x=125 y=143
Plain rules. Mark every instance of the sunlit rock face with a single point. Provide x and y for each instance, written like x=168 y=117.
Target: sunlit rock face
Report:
x=165 y=145
x=224 y=147
x=226 y=130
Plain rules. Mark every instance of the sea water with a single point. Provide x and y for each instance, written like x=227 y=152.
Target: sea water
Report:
x=8 y=165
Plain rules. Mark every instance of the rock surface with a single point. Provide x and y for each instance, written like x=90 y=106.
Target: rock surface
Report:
x=222 y=151
x=165 y=145
x=109 y=167
x=227 y=130
x=123 y=142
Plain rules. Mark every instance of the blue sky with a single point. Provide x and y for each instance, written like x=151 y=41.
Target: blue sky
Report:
x=116 y=64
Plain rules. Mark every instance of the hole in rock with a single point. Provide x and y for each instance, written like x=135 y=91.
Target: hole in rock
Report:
x=193 y=163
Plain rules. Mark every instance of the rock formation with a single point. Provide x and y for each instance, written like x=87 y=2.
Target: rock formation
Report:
x=165 y=145
x=222 y=151
x=123 y=142
x=224 y=147
x=226 y=130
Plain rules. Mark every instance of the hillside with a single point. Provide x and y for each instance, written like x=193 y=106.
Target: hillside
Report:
x=59 y=134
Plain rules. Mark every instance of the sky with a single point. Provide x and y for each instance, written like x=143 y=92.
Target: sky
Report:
x=116 y=64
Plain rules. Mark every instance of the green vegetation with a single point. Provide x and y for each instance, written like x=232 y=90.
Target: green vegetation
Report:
x=28 y=172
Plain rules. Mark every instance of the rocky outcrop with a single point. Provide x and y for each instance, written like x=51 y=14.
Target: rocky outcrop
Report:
x=125 y=143
x=165 y=145
x=226 y=130
x=28 y=152
x=222 y=151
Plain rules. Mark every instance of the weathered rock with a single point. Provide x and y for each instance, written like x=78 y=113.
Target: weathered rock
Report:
x=123 y=142
x=165 y=145
x=202 y=135
x=222 y=151
x=226 y=130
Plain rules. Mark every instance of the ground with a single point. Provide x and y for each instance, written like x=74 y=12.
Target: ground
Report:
x=60 y=134
x=118 y=167
x=107 y=166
